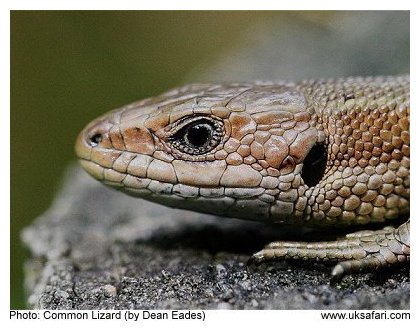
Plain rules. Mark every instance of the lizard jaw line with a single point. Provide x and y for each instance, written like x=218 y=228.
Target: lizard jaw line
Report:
x=142 y=186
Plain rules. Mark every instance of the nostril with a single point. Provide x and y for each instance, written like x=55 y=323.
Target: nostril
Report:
x=94 y=139
x=97 y=133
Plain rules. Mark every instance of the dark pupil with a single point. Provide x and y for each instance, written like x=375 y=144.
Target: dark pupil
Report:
x=96 y=139
x=198 y=135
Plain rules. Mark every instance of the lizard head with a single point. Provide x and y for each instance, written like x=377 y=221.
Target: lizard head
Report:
x=245 y=151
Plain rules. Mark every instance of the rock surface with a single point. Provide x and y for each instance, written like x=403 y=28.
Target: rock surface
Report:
x=96 y=248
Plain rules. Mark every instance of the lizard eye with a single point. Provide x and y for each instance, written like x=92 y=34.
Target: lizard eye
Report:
x=198 y=136
x=95 y=139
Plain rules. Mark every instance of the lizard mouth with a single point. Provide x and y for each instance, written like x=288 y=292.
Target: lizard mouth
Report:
x=141 y=186
x=246 y=203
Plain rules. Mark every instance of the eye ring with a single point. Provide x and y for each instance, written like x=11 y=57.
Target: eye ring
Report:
x=197 y=136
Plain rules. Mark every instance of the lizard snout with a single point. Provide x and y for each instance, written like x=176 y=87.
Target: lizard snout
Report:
x=95 y=134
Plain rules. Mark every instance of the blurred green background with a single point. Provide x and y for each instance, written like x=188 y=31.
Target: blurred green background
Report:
x=69 y=67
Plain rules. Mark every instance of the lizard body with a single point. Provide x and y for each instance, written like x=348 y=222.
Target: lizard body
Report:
x=323 y=154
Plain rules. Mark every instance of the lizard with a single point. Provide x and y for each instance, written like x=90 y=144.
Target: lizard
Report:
x=325 y=154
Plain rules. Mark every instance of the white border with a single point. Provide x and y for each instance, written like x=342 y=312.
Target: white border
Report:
x=248 y=320
x=5 y=165
x=208 y=5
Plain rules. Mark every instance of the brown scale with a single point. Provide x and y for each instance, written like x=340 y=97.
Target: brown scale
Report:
x=269 y=130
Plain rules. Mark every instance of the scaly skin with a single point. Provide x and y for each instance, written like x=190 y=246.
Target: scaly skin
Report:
x=322 y=154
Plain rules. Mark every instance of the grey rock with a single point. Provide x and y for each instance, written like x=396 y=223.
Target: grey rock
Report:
x=97 y=248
